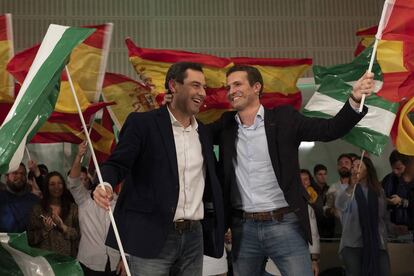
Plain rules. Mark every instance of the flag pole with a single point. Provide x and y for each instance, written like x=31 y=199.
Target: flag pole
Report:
x=28 y=153
x=98 y=172
x=385 y=15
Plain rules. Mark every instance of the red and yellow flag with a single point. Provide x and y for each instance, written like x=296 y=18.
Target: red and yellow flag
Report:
x=128 y=96
x=6 y=53
x=279 y=75
x=404 y=140
x=87 y=66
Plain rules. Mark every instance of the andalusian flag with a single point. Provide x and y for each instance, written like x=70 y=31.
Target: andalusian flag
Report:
x=280 y=76
x=371 y=133
x=6 y=53
x=128 y=96
x=38 y=94
x=87 y=67
x=18 y=258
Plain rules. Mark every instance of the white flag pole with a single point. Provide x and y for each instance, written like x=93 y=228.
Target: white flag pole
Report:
x=28 y=153
x=385 y=15
x=98 y=172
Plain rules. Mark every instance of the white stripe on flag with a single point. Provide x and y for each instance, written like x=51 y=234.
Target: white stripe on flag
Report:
x=18 y=155
x=28 y=265
x=325 y=104
x=53 y=35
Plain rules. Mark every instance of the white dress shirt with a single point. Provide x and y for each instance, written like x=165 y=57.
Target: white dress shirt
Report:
x=191 y=170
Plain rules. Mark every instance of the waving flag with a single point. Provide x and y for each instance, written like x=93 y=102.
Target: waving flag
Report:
x=280 y=76
x=371 y=133
x=38 y=94
x=128 y=96
x=18 y=258
x=6 y=53
x=404 y=141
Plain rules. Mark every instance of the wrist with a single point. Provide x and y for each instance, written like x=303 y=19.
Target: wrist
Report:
x=358 y=101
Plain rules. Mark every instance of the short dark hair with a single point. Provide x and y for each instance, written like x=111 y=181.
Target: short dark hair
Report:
x=253 y=74
x=177 y=72
x=319 y=167
x=396 y=156
x=344 y=155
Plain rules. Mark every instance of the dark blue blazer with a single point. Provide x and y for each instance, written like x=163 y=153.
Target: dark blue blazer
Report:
x=145 y=158
x=285 y=129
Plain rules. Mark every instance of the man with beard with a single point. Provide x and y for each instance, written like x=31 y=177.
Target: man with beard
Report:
x=344 y=164
x=16 y=202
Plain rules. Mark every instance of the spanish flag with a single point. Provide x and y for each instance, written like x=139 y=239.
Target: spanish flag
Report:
x=87 y=66
x=128 y=96
x=280 y=76
x=6 y=53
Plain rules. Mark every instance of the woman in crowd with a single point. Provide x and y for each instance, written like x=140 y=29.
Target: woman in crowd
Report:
x=363 y=245
x=54 y=221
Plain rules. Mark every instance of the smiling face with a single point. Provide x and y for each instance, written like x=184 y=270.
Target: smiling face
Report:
x=189 y=95
x=240 y=93
x=17 y=180
x=55 y=186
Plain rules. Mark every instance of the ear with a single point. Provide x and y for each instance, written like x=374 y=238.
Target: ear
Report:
x=257 y=86
x=171 y=86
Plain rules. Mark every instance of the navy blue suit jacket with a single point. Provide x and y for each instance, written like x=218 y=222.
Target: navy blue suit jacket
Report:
x=285 y=129
x=145 y=158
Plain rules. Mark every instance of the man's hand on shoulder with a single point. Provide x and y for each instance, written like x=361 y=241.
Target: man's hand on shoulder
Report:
x=103 y=195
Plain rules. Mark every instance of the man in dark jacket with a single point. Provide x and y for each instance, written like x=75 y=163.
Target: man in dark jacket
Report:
x=170 y=207
x=265 y=203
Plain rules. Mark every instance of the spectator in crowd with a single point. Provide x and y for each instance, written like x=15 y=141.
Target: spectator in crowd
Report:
x=344 y=164
x=326 y=224
x=307 y=181
x=54 y=222
x=85 y=178
x=397 y=186
x=94 y=256
x=320 y=173
x=34 y=188
x=16 y=202
x=363 y=245
x=40 y=172
x=401 y=196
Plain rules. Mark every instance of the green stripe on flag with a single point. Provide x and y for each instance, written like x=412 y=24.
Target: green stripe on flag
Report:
x=7 y=264
x=25 y=260
x=362 y=137
x=39 y=92
x=349 y=71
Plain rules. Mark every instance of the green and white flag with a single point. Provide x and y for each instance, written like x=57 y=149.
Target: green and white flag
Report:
x=38 y=94
x=18 y=258
x=335 y=86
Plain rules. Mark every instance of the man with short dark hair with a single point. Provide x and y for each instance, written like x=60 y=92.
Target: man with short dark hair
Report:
x=170 y=207
x=398 y=187
x=266 y=205
x=344 y=165
x=16 y=202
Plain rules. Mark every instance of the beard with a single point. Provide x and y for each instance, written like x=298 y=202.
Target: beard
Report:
x=344 y=173
x=17 y=186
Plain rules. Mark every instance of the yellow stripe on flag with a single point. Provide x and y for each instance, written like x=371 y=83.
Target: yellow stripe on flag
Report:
x=84 y=66
x=405 y=136
x=129 y=97
x=153 y=73
x=390 y=56
x=281 y=79
x=66 y=103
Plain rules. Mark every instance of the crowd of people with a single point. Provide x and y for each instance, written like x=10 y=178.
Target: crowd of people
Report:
x=177 y=203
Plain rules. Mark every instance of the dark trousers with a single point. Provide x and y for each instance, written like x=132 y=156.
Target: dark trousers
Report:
x=89 y=272
x=352 y=257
